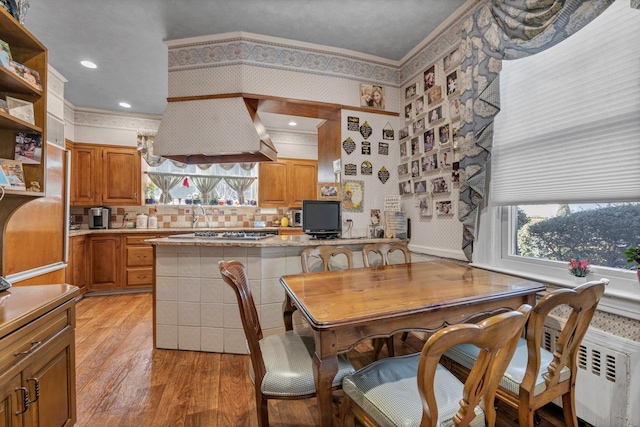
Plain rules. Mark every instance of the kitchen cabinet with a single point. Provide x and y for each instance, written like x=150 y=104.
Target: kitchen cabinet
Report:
x=287 y=182
x=105 y=263
x=140 y=261
x=37 y=357
x=105 y=175
x=76 y=273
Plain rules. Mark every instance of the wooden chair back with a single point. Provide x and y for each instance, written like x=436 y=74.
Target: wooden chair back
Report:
x=582 y=301
x=383 y=250
x=325 y=254
x=235 y=275
x=497 y=337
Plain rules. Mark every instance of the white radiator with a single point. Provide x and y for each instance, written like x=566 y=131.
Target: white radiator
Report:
x=608 y=382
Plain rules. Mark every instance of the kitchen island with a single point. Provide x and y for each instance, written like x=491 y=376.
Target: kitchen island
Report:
x=195 y=310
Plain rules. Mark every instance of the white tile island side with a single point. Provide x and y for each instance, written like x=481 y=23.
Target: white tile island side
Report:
x=195 y=310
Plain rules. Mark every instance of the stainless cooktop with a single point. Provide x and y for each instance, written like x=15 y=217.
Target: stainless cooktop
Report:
x=235 y=235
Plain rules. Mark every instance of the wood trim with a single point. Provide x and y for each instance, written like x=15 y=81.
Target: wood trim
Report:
x=280 y=105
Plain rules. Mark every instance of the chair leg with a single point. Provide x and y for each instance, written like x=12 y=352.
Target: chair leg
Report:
x=346 y=413
x=525 y=416
x=569 y=407
x=390 y=349
x=405 y=335
x=377 y=347
x=262 y=407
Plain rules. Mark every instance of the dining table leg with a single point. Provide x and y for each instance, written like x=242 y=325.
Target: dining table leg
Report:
x=324 y=370
x=287 y=313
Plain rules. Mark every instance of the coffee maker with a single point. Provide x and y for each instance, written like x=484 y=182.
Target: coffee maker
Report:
x=100 y=218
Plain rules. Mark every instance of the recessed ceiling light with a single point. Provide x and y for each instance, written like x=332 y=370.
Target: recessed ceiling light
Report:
x=88 y=64
x=125 y=105
x=292 y=123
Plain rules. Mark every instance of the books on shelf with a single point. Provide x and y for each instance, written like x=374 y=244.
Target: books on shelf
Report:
x=13 y=174
x=28 y=148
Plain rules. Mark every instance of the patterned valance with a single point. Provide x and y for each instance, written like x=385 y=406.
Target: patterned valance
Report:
x=502 y=30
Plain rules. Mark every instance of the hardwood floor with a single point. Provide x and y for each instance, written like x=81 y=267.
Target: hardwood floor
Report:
x=123 y=381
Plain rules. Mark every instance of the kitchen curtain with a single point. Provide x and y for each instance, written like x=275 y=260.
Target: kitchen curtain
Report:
x=498 y=31
x=240 y=185
x=165 y=183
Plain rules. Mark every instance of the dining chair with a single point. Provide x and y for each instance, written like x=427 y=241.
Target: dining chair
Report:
x=281 y=364
x=416 y=390
x=383 y=252
x=536 y=376
x=326 y=255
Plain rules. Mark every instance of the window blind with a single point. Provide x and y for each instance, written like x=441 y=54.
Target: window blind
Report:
x=569 y=126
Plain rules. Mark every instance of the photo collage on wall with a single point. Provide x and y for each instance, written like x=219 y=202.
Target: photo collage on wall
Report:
x=429 y=164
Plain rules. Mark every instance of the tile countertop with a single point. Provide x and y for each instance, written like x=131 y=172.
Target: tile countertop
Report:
x=177 y=230
x=275 y=241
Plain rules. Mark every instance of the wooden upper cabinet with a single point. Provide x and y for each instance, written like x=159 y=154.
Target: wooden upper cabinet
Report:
x=105 y=175
x=121 y=181
x=84 y=175
x=286 y=182
x=303 y=181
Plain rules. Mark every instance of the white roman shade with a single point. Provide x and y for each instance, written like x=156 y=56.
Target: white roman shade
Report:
x=569 y=126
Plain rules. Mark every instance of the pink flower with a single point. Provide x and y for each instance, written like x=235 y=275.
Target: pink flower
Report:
x=579 y=268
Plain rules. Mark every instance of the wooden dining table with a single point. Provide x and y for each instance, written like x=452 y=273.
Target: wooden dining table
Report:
x=344 y=307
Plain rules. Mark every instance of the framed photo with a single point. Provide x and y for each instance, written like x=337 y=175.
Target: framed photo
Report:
x=405 y=187
x=407 y=112
x=353 y=196
x=452 y=84
x=5 y=54
x=410 y=91
x=420 y=187
x=328 y=191
x=435 y=115
x=445 y=158
x=4 y=182
x=429 y=140
x=444 y=134
x=366 y=95
x=419 y=106
x=444 y=207
x=455 y=136
x=429 y=78
x=403 y=149
x=418 y=125
x=20 y=109
x=454 y=108
x=440 y=185
x=404 y=132
x=415 y=168
x=430 y=163
x=453 y=58
x=425 y=204
x=14 y=173
x=28 y=148
x=403 y=169
x=434 y=96
x=455 y=174
x=415 y=146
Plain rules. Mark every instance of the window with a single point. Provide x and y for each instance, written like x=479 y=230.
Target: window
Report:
x=566 y=155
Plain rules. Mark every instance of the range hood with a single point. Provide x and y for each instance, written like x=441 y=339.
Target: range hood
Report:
x=213 y=130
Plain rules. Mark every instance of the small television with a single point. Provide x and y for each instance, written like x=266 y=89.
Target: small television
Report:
x=322 y=219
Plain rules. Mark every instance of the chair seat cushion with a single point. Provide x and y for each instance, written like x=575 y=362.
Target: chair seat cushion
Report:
x=288 y=359
x=466 y=354
x=388 y=391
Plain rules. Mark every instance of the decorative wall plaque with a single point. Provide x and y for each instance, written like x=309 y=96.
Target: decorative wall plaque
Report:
x=353 y=196
x=366 y=168
x=366 y=147
x=351 y=169
x=353 y=123
x=383 y=175
x=383 y=148
x=349 y=145
x=387 y=132
x=365 y=130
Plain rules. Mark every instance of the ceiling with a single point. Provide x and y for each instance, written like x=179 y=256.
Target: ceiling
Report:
x=127 y=41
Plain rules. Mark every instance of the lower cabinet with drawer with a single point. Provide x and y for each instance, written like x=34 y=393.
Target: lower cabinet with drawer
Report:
x=139 y=261
x=37 y=356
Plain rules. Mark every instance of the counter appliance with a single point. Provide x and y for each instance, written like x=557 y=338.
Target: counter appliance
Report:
x=100 y=218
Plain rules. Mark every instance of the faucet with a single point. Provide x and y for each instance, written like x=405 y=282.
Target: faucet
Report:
x=194 y=221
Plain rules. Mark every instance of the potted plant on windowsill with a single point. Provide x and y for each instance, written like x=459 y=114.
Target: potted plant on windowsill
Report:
x=633 y=255
x=580 y=269
x=150 y=191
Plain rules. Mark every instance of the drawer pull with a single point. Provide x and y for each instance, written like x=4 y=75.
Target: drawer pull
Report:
x=36 y=389
x=25 y=399
x=142 y=277
x=34 y=345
